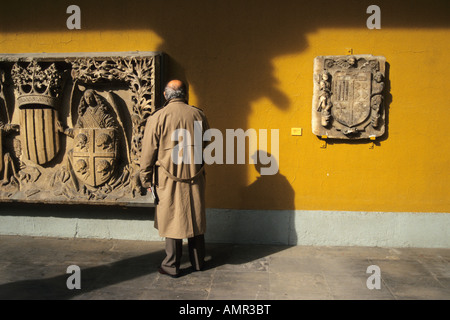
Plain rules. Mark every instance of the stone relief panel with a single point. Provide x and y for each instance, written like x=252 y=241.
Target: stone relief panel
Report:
x=72 y=126
x=348 y=97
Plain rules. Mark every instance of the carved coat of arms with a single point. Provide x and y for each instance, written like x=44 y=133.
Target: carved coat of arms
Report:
x=95 y=141
x=94 y=155
x=348 y=97
x=351 y=98
x=37 y=91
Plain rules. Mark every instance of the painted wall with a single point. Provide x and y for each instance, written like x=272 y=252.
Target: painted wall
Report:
x=249 y=64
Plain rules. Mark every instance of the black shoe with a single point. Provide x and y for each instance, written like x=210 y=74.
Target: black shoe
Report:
x=160 y=270
x=193 y=269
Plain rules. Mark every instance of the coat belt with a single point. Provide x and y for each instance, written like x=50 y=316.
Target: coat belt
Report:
x=171 y=176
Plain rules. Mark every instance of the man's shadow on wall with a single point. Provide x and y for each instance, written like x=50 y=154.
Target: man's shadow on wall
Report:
x=271 y=194
x=268 y=209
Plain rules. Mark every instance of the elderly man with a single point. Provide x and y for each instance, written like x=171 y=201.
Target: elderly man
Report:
x=180 y=184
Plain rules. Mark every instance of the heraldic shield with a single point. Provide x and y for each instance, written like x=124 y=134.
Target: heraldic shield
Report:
x=40 y=138
x=37 y=90
x=351 y=97
x=94 y=155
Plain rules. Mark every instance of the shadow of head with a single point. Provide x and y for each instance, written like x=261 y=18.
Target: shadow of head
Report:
x=265 y=163
x=271 y=190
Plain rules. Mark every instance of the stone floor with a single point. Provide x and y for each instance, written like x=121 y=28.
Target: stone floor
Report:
x=36 y=268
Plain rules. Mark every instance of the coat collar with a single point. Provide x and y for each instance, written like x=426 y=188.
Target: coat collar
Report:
x=175 y=100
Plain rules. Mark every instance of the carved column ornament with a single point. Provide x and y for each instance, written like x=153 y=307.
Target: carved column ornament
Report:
x=348 y=97
x=72 y=124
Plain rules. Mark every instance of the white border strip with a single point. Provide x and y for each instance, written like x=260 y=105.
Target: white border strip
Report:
x=273 y=227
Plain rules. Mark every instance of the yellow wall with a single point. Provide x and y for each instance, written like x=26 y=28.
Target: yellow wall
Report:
x=249 y=64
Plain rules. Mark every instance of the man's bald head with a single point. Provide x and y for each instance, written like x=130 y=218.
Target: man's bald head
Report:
x=175 y=89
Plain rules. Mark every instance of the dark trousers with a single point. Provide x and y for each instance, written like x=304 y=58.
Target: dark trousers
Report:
x=174 y=251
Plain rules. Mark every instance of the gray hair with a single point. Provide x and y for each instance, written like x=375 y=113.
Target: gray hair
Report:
x=173 y=93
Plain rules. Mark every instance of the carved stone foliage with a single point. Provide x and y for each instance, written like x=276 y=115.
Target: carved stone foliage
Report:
x=72 y=125
x=348 y=97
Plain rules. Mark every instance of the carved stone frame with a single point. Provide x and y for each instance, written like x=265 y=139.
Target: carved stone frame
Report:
x=128 y=83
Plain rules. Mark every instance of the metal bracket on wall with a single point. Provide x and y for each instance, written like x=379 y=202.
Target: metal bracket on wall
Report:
x=324 y=142
x=372 y=143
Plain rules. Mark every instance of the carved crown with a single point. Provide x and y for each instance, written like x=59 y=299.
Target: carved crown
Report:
x=36 y=85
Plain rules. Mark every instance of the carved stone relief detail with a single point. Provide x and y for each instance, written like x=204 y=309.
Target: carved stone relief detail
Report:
x=9 y=177
x=348 y=97
x=71 y=126
x=37 y=91
x=138 y=73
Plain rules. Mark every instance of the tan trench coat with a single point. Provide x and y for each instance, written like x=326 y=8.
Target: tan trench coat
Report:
x=180 y=187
